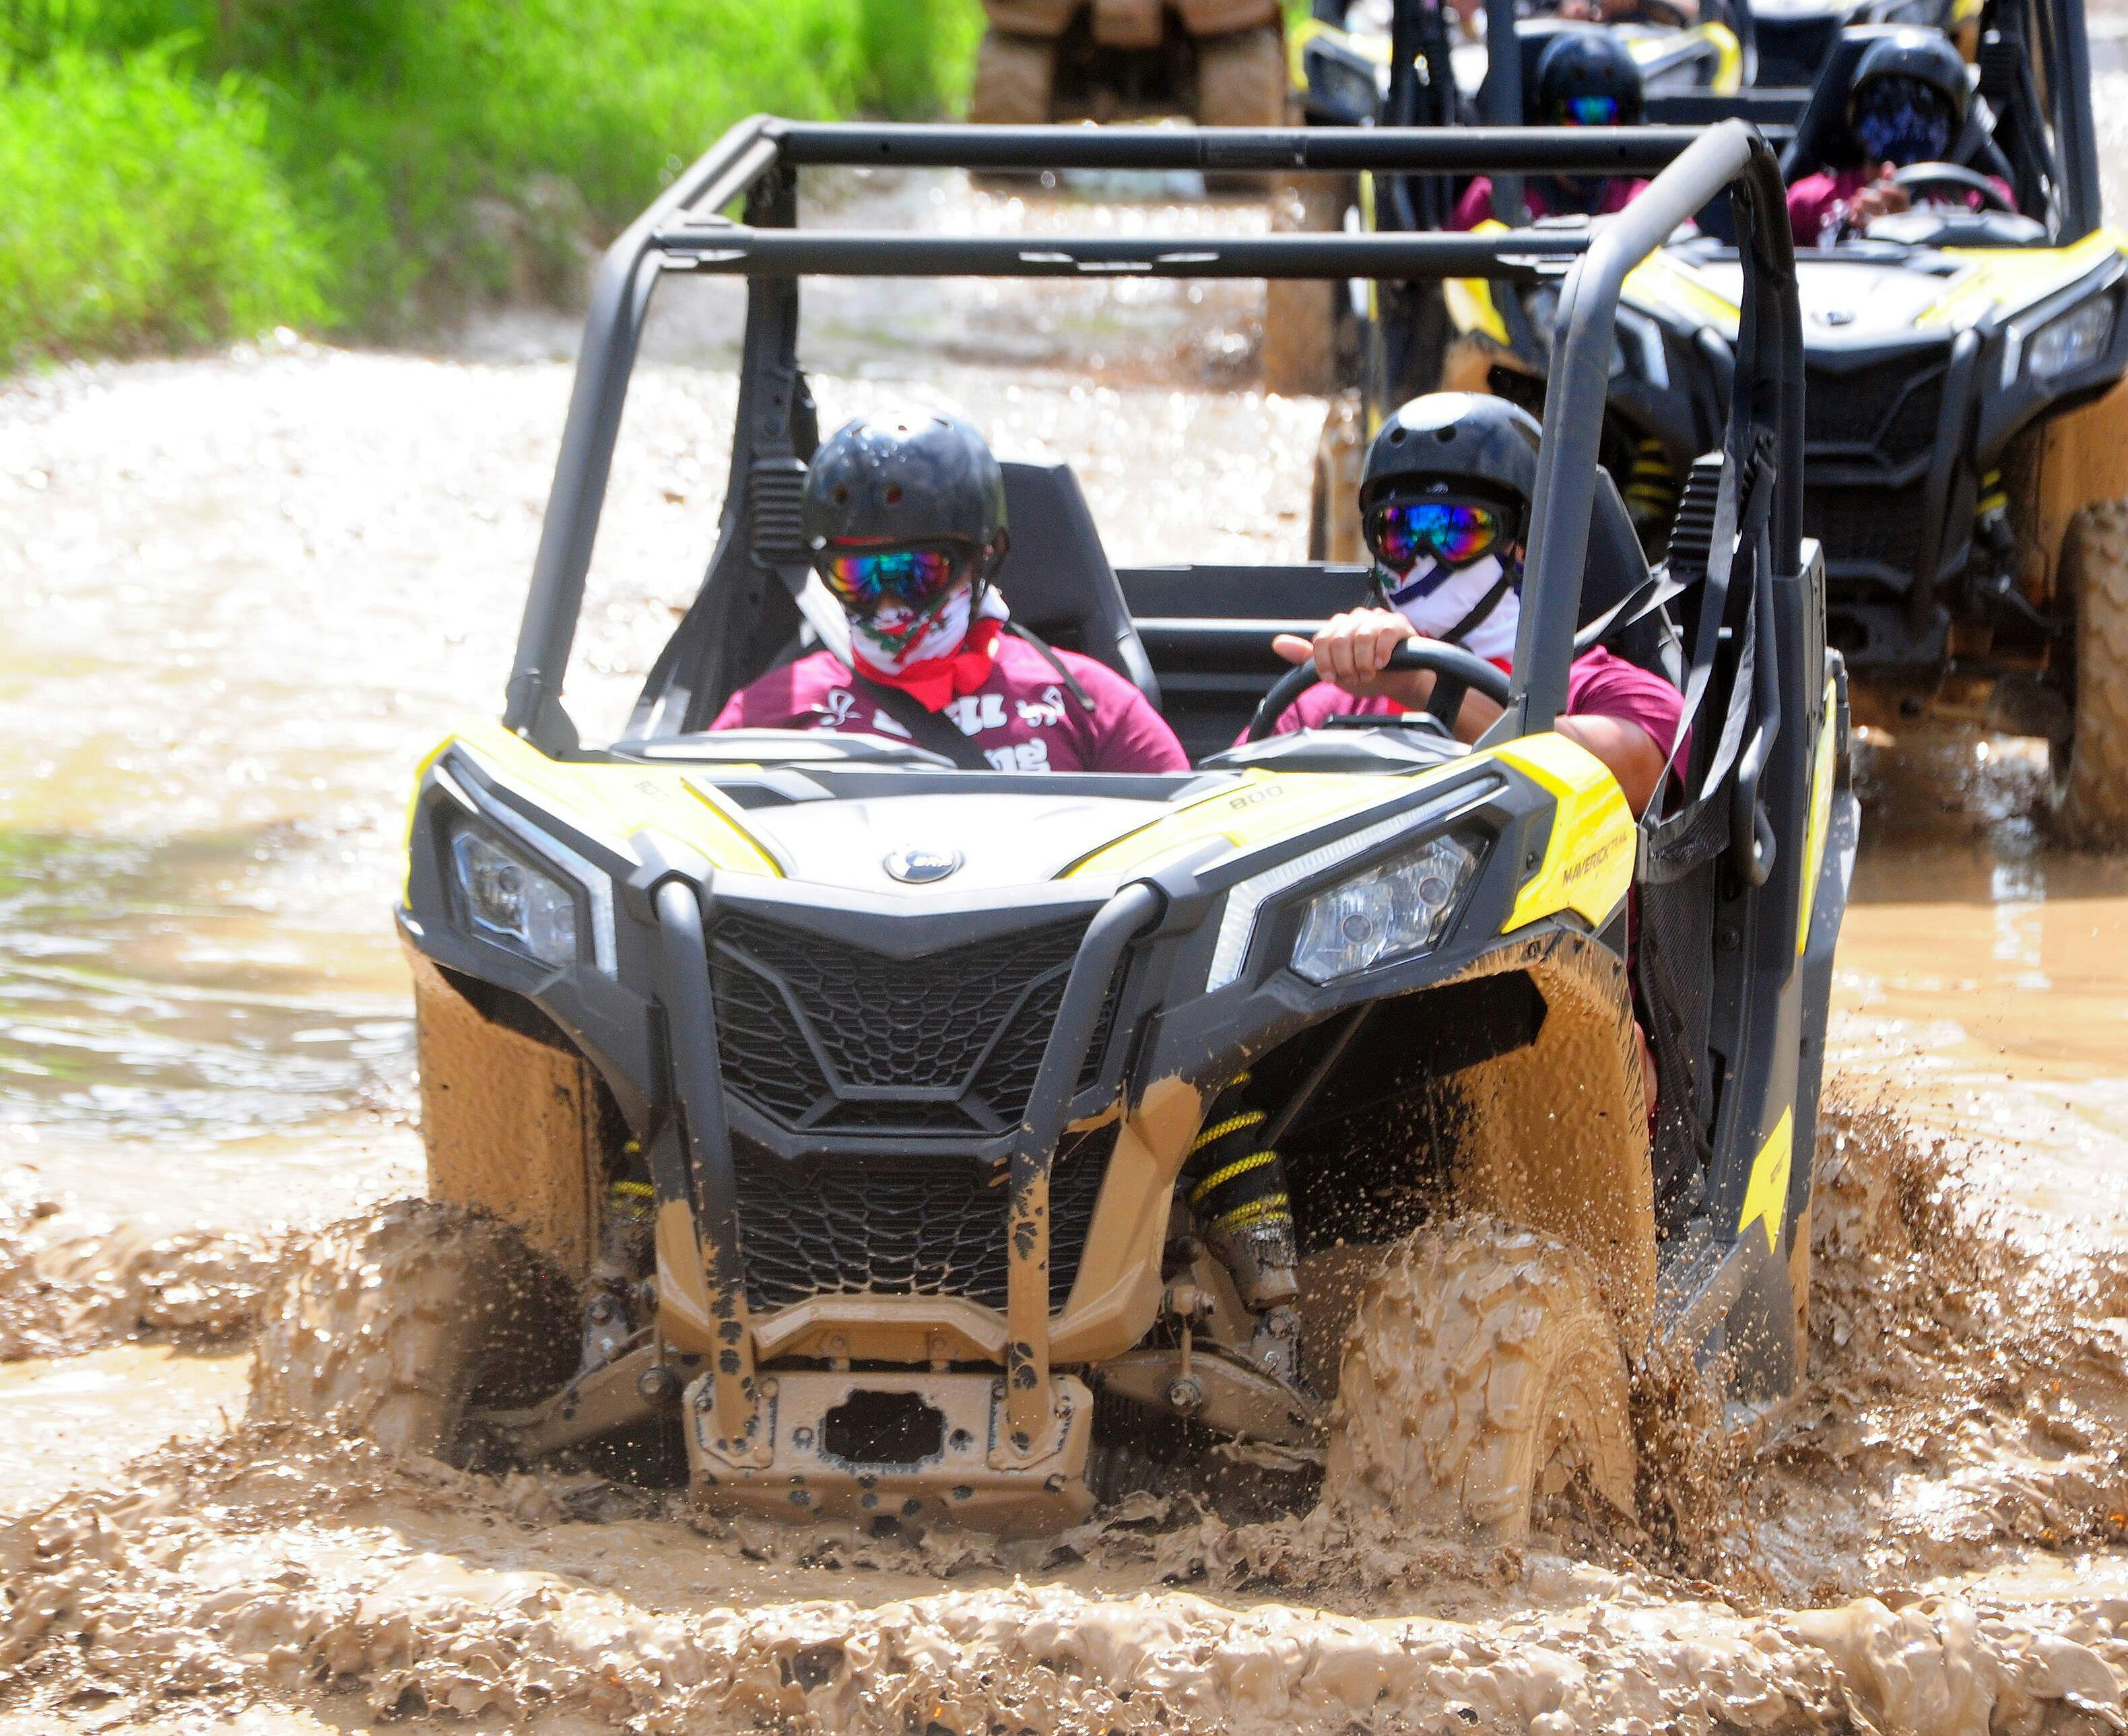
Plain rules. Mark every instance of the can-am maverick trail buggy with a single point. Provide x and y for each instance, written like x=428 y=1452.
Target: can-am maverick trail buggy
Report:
x=852 y=1104
x=1966 y=447
x=1407 y=63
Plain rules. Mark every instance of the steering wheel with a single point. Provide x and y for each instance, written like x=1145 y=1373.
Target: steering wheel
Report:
x=1455 y=672
x=1953 y=176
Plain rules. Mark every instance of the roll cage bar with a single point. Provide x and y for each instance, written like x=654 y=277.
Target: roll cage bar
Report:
x=757 y=160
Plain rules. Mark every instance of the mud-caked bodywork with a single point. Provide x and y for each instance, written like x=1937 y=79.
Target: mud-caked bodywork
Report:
x=886 y=1118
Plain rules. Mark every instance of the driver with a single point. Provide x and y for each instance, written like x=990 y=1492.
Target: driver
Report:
x=904 y=514
x=1584 y=78
x=1908 y=106
x=1444 y=498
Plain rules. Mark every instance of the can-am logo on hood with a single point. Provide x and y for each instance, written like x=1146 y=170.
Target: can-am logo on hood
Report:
x=920 y=867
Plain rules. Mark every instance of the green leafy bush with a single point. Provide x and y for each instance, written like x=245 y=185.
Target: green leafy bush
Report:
x=143 y=209
x=398 y=155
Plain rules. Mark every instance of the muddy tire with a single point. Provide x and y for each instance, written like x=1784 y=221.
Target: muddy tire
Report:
x=389 y=1325
x=1241 y=81
x=1013 y=76
x=2091 y=773
x=1482 y=1380
x=1299 y=349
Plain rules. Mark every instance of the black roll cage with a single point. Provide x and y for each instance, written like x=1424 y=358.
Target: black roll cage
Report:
x=757 y=159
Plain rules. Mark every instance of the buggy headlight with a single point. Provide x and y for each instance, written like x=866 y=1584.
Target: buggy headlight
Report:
x=1390 y=912
x=1246 y=898
x=1342 y=84
x=2075 y=340
x=509 y=901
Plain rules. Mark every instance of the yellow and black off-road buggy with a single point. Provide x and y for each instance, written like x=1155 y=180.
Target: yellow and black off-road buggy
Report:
x=847 y=1108
x=1407 y=63
x=1966 y=442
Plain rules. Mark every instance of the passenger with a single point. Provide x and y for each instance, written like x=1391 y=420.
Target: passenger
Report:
x=903 y=513
x=1445 y=501
x=1908 y=106
x=1584 y=78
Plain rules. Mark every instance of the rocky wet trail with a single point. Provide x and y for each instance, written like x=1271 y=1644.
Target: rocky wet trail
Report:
x=246 y=593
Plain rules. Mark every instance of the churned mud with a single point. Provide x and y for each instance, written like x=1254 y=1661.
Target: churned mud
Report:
x=1928 y=1541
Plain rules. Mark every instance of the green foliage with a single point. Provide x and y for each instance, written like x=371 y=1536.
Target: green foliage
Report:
x=415 y=152
x=143 y=210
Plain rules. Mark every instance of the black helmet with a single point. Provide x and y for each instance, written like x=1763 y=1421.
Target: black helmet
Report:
x=1451 y=442
x=1584 y=66
x=902 y=477
x=1909 y=97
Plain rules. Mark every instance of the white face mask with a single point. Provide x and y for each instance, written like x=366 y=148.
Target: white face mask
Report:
x=1433 y=598
x=939 y=637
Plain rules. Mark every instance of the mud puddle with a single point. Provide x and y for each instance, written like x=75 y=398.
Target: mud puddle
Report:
x=243 y=596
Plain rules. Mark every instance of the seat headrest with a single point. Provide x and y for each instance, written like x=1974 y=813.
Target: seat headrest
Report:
x=1056 y=576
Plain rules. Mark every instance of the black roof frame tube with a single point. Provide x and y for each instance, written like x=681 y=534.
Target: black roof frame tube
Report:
x=1331 y=149
x=741 y=251
x=1767 y=396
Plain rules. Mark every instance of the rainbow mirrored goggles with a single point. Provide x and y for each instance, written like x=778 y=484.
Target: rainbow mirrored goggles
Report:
x=1586 y=111
x=864 y=580
x=1455 y=532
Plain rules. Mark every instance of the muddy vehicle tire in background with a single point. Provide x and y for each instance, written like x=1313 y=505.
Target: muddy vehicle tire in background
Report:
x=1482 y=1376
x=389 y=1325
x=1333 y=494
x=2091 y=771
x=1300 y=350
x=1013 y=76
x=1241 y=81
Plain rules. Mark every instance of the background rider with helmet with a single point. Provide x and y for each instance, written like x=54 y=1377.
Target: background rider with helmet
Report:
x=1584 y=78
x=905 y=518
x=1445 y=503
x=1908 y=105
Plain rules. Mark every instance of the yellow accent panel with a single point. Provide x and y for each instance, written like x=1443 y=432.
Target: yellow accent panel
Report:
x=1470 y=309
x=1469 y=300
x=1766 y=1200
x=1588 y=863
x=1266 y=806
x=1663 y=284
x=1820 y=817
x=615 y=801
x=2013 y=278
x=1729 y=69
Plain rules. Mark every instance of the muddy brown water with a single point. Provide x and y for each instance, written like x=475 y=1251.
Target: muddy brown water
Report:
x=241 y=596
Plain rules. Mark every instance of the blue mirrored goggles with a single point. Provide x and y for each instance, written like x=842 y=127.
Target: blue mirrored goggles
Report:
x=1455 y=532
x=1590 y=110
x=864 y=581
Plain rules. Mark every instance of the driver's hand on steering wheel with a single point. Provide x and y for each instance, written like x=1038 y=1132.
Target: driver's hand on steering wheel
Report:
x=1352 y=650
x=1878 y=198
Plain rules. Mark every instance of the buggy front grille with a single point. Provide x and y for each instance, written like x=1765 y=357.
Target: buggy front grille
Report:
x=897 y=1225
x=836 y=1038
x=1884 y=414
x=1868 y=533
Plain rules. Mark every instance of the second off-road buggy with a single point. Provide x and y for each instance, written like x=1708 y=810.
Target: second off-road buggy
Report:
x=1409 y=64
x=1966 y=472
x=804 y=1106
